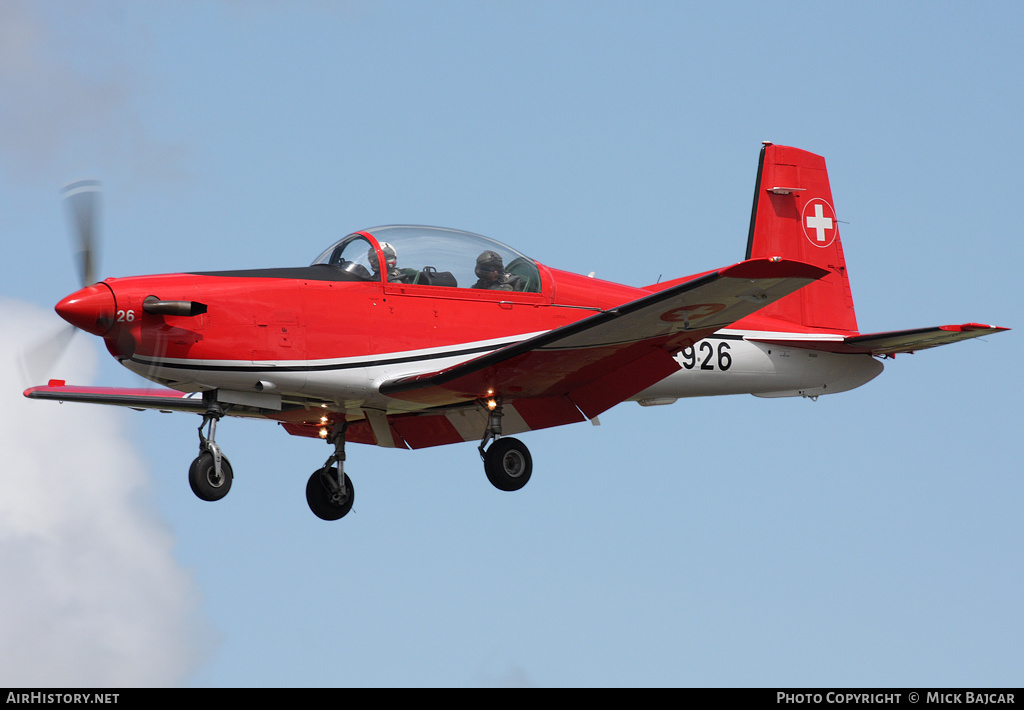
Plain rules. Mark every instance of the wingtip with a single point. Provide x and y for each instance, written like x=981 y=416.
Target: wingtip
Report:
x=31 y=391
x=968 y=327
x=774 y=267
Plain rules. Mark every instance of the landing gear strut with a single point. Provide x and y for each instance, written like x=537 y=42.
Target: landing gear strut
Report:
x=507 y=461
x=329 y=490
x=210 y=474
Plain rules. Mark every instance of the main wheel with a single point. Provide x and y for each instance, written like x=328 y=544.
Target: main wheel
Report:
x=202 y=476
x=324 y=503
x=508 y=464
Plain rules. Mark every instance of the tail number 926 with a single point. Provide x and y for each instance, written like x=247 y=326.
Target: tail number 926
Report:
x=705 y=356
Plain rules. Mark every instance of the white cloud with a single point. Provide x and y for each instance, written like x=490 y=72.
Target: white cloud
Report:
x=90 y=592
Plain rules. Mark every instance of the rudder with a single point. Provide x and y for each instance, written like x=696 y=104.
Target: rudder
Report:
x=793 y=217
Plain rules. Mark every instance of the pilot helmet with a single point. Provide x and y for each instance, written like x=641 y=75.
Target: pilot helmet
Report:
x=390 y=256
x=487 y=262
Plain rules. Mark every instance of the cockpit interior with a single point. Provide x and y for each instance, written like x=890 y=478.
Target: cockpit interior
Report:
x=432 y=256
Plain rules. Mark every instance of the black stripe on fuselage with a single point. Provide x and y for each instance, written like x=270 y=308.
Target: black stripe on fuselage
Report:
x=343 y=366
x=348 y=365
x=317 y=272
x=314 y=368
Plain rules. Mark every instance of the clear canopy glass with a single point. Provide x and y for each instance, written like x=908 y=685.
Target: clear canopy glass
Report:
x=433 y=256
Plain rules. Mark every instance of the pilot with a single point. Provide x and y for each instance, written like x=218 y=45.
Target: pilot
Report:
x=395 y=275
x=490 y=270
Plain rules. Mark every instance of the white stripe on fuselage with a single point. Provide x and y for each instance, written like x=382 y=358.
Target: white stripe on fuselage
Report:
x=724 y=363
x=351 y=381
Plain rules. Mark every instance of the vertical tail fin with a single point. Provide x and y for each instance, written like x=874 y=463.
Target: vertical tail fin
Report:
x=793 y=217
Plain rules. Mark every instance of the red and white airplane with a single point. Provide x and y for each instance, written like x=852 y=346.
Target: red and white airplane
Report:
x=461 y=338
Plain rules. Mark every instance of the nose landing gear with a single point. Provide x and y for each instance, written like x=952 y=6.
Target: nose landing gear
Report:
x=210 y=474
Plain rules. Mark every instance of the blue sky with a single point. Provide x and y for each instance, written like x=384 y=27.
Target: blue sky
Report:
x=871 y=538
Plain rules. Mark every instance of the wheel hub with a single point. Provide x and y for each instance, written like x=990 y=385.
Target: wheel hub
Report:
x=514 y=464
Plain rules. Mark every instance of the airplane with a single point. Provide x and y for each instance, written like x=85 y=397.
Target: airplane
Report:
x=407 y=336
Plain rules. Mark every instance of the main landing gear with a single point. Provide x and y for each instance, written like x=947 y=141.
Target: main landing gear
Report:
x=329 y=490
x=507 y=462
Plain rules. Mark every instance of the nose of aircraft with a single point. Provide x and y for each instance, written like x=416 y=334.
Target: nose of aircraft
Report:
x=91 y=309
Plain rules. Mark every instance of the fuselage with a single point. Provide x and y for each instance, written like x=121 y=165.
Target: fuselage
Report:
x=331 y=333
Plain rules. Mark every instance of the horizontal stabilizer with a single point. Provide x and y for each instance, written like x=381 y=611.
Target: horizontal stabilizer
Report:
x=887 y=344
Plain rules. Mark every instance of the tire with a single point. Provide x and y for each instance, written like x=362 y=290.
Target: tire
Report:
x=508 y=464
x=319 y=498
x=203 y=478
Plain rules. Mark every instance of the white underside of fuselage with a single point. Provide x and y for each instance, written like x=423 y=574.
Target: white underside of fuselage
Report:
x=728 y=362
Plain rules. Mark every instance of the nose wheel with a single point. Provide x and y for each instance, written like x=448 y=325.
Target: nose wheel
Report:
x=210 y=474
x=209 y=483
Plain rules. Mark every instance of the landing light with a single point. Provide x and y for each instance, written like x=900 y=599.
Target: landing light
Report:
x=323 y=432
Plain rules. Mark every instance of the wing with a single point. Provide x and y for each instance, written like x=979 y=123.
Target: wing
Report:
x=240 y=404
x=166 y=400
x=599 y=361
x=890 y=343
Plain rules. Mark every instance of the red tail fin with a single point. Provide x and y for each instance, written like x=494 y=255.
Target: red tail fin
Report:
x=793 y=217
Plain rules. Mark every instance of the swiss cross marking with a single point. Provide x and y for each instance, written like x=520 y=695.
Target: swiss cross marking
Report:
x=819 y=222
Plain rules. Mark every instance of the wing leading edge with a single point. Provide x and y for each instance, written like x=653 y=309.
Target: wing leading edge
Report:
x=606 y=358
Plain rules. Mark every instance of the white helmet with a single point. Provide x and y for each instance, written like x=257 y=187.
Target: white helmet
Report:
x=390 y=256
